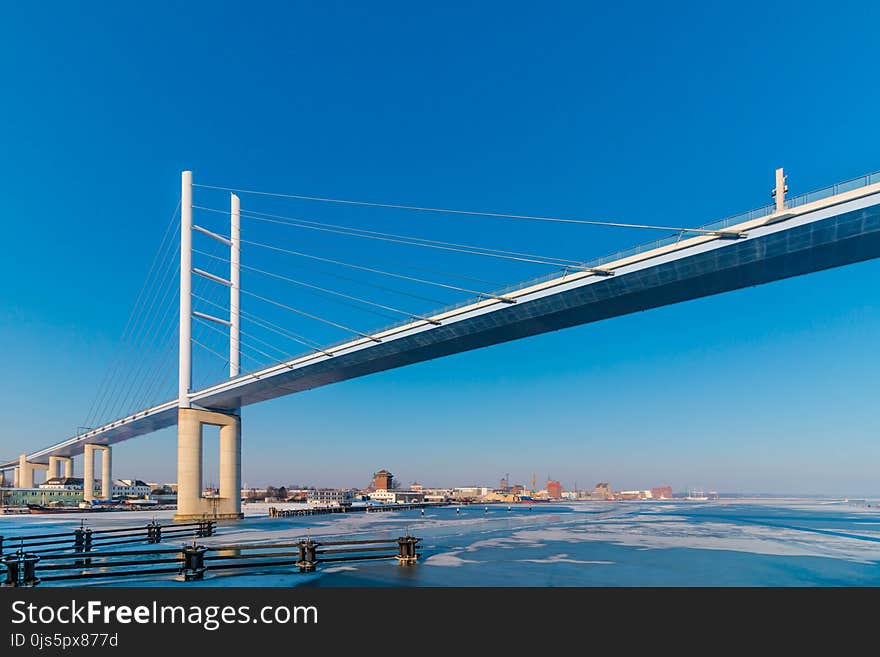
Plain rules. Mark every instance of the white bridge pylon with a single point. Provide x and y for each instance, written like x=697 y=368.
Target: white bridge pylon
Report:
x=191 y=503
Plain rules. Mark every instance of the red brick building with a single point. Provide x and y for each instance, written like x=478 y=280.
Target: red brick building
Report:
x=662 y=493
x=383 y=480
x=554 y=490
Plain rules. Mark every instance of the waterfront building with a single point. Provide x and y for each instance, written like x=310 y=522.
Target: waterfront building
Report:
x=470 y=492
x=383 y=480
x=298 y=494
x=437 y=494
x=130 y=488
x=554 y=490
x=42 y=496
x=397 y=496
x=662 y=493
x=330 y=497
x=67 y=491
x=62 y=483
x=602 y=491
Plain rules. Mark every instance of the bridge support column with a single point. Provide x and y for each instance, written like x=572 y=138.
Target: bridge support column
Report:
x=55 y=463
x=190 y=503
x=16 y=478
x=25 y=473
x=106 y=474
x=89 y=472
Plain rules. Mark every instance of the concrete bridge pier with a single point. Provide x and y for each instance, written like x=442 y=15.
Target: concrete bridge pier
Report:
x=26 y=471
x=89 y=472
x=106 y=475
x=16 y=477
x=55 y=463
x=191 y=504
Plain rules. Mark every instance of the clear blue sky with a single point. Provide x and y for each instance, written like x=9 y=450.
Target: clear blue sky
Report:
x=643 y=112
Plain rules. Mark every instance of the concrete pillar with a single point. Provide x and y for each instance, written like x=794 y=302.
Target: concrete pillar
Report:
x=25 y=472
x=89 y=473
x=16 y=478
x=68 y=466
x=189 y=464
x=190 y=503
x=230 y=463
x=106 y=474
x=54 y=467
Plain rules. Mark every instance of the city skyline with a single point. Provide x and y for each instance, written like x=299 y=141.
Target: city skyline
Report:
x=766 y=389
x=540 y=485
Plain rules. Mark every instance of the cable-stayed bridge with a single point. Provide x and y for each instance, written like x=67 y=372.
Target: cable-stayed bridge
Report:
x=196 y=303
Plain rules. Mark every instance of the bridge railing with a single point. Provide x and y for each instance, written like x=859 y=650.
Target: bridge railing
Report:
x=191 y=562
x=833 y=190
x=84 y=539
